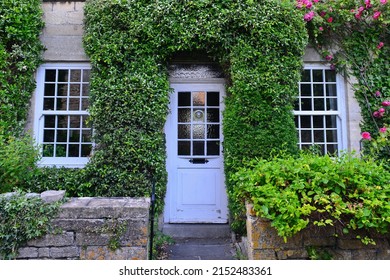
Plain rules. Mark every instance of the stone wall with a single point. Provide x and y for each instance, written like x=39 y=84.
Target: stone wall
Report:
x=263 y=243
x=95 y=229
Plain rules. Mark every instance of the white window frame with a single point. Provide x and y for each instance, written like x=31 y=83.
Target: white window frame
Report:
x=39 y=113
x=340 y=113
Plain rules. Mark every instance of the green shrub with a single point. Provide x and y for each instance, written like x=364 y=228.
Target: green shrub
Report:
x=23 y=219
x=18 y=158
x=345 y=192
x=20 y=54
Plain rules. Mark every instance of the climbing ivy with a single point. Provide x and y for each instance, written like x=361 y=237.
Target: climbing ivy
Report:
x=259 y=44
x=20 y=54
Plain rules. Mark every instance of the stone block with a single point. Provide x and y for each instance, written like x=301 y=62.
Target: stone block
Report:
x=383 y=254
x=63 y=30
x=71 y=252
x=52 y=196
x=299 y=254
x=338 y=254
x=362 y=254
x=78 y=225
x=262 y=254
x=27 y=253
x=95 y=239
x=44 y=253
x=63 y=48
x=320 y=241
x=103 y=253
x=58 y=240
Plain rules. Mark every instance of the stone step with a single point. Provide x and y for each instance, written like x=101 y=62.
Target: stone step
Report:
x=213 y=231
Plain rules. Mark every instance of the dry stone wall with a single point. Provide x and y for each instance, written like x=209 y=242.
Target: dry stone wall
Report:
x=94 y=229
x=263 y=243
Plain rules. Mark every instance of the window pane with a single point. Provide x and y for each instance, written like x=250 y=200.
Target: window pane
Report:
x=48 y=135
x=198 y=115
x=86 y=136
x=61 y=104
x=213 y=99
x=306 y=104
x=86 y=150
x=75 y=75
x=63 y=75
x=306 y=76
x=198 y=131
x=332 y=148
x=213 y=131
x=184 y=148
x=86 y=75
x=48 y=104
x=331 y=136
x=85 y=90
x=50 y=121
x=305 y=90
x=74 y=150
x=212 y=115
x=317 y=76
x=62 y=136
x=60 y=151
x=62 y=90
x=319 y=136
x=198 y=98
x=330 y=75
x=184 y=98
x=62 y=121
x=318 y=121
x=213 y=148
x=306 y=136
x=331 y=90
x=74 y=104
x=184 y=115
x=50 y=75
x=74 y=90
x=318 y=90
x=48 y=150
x=84 y=104
x=198 y=148
x=75 y=121
x=319 y=104
x=74 y=136
x=331 y=104
x=184 y=131
x=306 y=122
x=331 y=121
x=49 y=90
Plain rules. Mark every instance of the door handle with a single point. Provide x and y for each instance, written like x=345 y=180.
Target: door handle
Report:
x=199 y=160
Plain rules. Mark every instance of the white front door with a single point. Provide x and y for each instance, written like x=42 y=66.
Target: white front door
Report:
x=196 y=186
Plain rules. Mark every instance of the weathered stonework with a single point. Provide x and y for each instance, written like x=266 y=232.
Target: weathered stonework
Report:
x=85 y=228
x=265 y=244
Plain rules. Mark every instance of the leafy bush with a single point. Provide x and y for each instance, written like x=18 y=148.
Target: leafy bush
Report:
x=293 y=192
x=23 y=219
x=20 y=54
x=258 y=43
x=18 y=158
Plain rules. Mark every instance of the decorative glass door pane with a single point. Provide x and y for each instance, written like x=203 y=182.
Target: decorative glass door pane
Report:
x=198 y=123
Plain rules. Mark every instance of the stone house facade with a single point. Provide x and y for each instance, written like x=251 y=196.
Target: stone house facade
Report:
x=326 y=113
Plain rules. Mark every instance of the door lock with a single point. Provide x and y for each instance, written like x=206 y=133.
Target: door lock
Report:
x=199 y=160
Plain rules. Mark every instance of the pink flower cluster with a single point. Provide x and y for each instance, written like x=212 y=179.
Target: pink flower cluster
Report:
x=379 y=114
x=366 y=135
x=367 y=6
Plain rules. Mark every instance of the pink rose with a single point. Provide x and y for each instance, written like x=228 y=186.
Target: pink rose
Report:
x=316 y=1
x=382 y=110
x=386 y=103
x=368 y=4
x=329 y=57
x=382 y=129
x=376 y=15
x=380 y=45
x=376 y=114
x=366 y=135
x=361 y=9
x=309 y=4
x=320 y=28
x=309 y=16
x=330 y=20
x=382 y=2
x=322 y=14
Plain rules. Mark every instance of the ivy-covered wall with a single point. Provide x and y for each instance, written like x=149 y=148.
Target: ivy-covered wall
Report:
x=259 y=44
x=20 y=54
